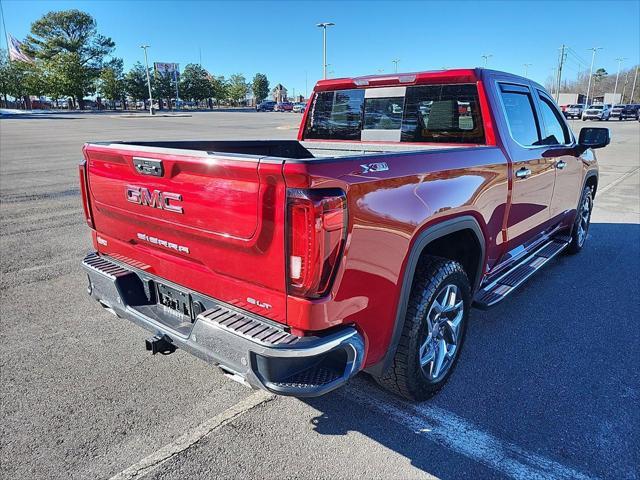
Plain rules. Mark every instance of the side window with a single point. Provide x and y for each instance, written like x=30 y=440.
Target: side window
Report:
x=556 y=131
x=521 y=118
x=336 y=115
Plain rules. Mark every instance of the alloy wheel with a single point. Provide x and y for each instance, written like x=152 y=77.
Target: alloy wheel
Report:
x=583 y=220
x=444 y=319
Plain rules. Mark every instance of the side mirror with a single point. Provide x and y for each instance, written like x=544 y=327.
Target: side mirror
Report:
x=594 y=137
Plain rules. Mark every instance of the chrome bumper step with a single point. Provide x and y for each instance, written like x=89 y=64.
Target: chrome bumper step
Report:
x=247 y=347
x=497 y=290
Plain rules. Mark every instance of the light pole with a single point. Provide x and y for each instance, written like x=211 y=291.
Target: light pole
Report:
x=486 y=58
x=526 y=68
x=146 y=62
x=615 y=89
x=633 y=88
x=395 y=62
x=593 y=58
x=324 y=26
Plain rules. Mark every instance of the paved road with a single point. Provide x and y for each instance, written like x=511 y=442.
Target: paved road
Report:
x=548 y=385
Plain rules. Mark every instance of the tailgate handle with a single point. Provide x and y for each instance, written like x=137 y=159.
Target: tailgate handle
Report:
x=148 y=166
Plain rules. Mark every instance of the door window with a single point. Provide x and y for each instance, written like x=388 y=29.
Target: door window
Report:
x=556 y=131
x=521 y=118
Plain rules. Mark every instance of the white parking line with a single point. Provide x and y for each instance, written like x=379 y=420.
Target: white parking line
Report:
x=460 y=435
x=617 y=181
x=157 y=458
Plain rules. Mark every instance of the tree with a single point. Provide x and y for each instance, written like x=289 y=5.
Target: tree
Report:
x=598 y=76
x=68 y=42
x=238 y=88
x=135 y=83
x=260 y=87
x=195 y=84
x=219 y=87
x=20 y=80
x=5 y=76
x=67 y=77
x=111 y=82
x=164 y=88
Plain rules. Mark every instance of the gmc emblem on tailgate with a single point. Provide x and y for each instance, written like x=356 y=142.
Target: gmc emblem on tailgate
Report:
x=155 y=199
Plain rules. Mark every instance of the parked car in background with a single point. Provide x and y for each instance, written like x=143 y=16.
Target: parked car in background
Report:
x=283 y=107
x=299 y=107
x=627 y=111
x=266 y=106
x=616 y=111
x=597 y=112
x=574 y=110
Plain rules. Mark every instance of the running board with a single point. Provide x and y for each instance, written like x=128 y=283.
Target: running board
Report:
x=498 y=289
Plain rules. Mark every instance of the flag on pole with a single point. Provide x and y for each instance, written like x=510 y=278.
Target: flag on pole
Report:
x=15 y=51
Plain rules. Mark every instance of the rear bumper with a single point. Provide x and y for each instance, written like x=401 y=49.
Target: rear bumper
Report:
x=246 y=346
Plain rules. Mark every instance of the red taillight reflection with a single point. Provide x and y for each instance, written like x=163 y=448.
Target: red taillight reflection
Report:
x=317 y=223
x=84 y=190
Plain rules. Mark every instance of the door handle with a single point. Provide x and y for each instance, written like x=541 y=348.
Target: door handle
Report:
x=561 y=164
x=523 y=173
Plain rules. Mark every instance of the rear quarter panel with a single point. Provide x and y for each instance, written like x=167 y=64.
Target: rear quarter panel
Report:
x=387 y=210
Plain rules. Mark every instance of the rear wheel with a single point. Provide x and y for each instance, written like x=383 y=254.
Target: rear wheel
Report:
x=433 y=332
x=582 y=221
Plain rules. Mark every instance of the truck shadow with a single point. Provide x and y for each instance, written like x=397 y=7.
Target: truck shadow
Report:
x=547 y=383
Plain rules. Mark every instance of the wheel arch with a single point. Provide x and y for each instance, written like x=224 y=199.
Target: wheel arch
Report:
x=422 y=241
x=591 y=180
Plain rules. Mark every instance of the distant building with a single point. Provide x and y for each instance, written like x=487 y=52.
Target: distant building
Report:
x=612 y=98
x=279 y=93
x=570 y=98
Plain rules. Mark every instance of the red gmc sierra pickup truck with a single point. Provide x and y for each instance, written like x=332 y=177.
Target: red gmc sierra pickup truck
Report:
x=293 y=265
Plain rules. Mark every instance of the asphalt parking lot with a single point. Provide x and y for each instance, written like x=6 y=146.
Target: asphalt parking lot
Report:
x=548 y=385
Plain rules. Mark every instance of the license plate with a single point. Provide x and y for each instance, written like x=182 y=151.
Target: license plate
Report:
x=174 y=300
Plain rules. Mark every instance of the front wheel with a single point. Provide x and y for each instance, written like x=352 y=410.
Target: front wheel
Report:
x=582 y=222
x=433 y=332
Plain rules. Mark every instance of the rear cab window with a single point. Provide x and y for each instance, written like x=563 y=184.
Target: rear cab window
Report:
x=422 y=113
x=336 y=115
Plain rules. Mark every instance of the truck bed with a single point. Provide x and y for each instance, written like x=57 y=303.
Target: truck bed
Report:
x=292 y=149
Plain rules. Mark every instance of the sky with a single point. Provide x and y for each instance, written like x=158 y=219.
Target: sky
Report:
x=281 y=39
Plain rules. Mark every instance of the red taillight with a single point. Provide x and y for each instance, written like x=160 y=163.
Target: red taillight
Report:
x=317 y=225
x=84 y=190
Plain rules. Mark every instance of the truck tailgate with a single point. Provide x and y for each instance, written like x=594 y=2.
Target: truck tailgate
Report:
x=201 y=220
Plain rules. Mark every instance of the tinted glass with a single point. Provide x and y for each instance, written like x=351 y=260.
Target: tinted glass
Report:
x=442 y=114
x=383 y=113
x=336 y=115
x=522 y=121
x=556 y=131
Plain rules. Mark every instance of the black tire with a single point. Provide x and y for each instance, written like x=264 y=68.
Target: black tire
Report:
x=578 y=240
x=405 y=376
